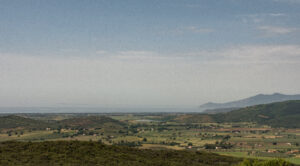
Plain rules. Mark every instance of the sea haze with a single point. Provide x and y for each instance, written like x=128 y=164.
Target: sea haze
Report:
x=6 y=110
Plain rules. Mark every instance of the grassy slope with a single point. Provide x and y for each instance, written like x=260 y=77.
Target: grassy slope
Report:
x=93 y=153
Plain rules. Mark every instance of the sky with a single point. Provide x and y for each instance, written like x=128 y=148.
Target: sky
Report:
x=141 y=53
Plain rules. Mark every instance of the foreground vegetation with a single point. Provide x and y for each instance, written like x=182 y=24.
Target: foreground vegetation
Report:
x=95 y=153
x=275 y=162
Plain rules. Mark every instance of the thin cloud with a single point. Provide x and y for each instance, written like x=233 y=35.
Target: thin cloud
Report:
x=193 y=29
x=246 y=54
x=277 y=14
x=261 y=17
x=101 y=52
x=69 y=50
x=249 y=54
x=238 y=55
x=136 y=52
x=273 y=30
x=288 y=1
x=268 y=53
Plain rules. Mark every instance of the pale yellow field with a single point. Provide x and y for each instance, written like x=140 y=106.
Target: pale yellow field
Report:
x=156 y=146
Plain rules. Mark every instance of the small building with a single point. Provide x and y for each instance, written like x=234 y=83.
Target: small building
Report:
x=272 y=151
x=293 y=152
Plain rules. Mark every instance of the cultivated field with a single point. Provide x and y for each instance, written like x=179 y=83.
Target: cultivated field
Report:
x=165 y=131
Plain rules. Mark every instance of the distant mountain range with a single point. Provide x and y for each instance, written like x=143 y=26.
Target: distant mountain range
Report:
x=254 y=100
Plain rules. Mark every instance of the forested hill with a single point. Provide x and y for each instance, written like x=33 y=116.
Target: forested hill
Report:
x=12 y=121
x=280 y=114
x=78 y=153
x=90 y=122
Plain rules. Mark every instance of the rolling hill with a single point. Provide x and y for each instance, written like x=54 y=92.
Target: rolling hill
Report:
x=12 y=121
x=254 y=100
x=279 y=114
x=90 y=122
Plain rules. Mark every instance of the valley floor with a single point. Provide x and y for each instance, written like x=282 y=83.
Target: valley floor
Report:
x=164 y=132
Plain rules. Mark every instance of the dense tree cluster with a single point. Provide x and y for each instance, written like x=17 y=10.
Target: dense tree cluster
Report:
x=275 y=162
x=96 y=153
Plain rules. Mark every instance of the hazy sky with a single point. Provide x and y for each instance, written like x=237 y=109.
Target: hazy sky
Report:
x=120 y=53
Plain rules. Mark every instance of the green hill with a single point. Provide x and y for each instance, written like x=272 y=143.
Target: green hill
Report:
x=12 y=121
x=90 y=122
x=77 y=153
x=280 y=114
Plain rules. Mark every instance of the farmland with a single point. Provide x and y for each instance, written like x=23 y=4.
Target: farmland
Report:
x=160 y=131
